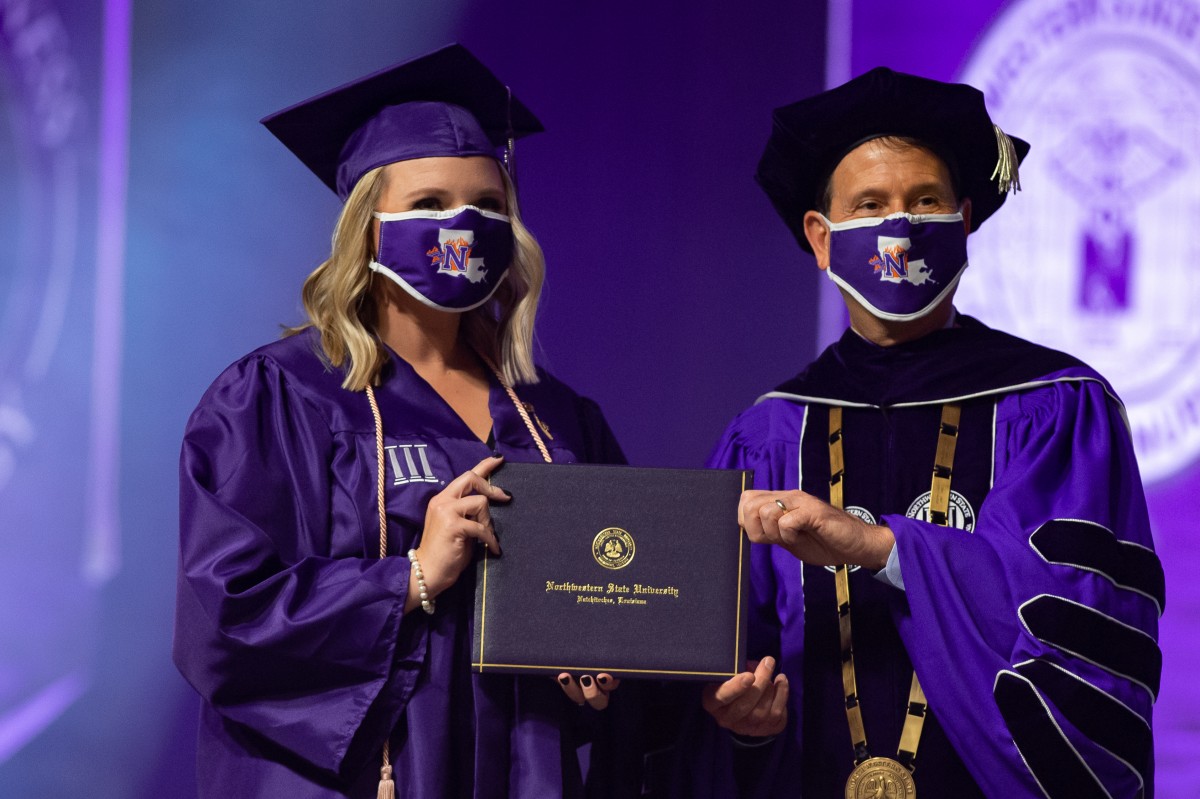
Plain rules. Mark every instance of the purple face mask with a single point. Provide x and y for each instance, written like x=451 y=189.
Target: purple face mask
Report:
x=450 y=260
x=899 y=267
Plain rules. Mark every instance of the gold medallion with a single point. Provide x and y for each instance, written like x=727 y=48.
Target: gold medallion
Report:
x=880 y=778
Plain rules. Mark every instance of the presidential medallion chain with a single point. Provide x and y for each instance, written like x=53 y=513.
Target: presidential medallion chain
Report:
x=878 y=776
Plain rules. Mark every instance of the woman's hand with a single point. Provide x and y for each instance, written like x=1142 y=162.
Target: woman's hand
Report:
x=455 y=519
x=593 y=690
x=750 y=703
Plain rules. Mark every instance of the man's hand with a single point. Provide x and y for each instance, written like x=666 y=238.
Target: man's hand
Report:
x=812 y=530
x=751 y=703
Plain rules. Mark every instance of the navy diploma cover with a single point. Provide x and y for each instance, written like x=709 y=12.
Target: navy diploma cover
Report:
x=631 y=571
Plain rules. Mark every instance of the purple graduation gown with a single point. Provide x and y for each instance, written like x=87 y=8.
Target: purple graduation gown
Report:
x=292 y=628
x=1034 y=629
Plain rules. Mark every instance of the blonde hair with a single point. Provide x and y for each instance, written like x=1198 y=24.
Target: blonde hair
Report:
x=337 y=297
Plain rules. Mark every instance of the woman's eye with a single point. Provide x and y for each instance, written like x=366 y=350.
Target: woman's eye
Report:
x=427 y=204
x=489 y=204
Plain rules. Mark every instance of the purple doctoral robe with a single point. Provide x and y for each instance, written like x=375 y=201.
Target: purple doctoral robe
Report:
x=1032 y=620
x=292 y=628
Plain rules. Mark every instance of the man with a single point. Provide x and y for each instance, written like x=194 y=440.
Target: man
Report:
x=981 y=490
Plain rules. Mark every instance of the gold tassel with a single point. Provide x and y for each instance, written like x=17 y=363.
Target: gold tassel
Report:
x=1006 y=164
x=387 y=786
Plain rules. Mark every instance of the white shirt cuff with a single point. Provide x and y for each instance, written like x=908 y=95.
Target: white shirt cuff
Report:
x=890 y=573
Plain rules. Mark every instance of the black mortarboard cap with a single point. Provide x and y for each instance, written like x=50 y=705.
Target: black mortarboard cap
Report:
x=809 y=138
x=444 y=103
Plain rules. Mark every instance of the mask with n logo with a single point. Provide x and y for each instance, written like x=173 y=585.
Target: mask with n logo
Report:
x=899 y=267
x=450 y=260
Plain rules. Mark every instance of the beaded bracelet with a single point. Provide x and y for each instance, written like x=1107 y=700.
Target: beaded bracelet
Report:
x=427 y=604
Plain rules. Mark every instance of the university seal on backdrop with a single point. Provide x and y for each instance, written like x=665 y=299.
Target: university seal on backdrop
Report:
x=1098 y=255
x=57 y=484
x=39 y=208
x=613 y=548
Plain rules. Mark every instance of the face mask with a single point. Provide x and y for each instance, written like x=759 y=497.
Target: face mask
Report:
x=899 y=266
x=450 y=260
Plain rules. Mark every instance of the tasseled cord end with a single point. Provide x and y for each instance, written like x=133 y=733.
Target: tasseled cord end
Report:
x=387 y=786
x=1006 y=164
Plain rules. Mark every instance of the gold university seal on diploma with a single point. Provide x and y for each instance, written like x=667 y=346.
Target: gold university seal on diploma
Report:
x=613 y=548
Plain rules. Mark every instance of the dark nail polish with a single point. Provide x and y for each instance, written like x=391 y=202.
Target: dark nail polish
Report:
x=602 y=680
x=507 y=493
x=565 y=680
x=585 y=681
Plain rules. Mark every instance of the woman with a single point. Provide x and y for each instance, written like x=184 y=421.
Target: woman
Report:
x=334 y=484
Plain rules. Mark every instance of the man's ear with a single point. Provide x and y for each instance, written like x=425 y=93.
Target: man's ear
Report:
x=817 y=233
x=966 y=212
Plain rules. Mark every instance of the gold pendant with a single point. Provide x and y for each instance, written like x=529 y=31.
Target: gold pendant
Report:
x=880 y=778
x=540 y=423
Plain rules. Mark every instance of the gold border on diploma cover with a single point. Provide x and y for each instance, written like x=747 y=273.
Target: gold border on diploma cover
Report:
x=880 y=776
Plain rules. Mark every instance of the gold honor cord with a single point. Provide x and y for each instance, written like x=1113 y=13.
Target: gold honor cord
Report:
x=387 y=784
x=882 y=776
